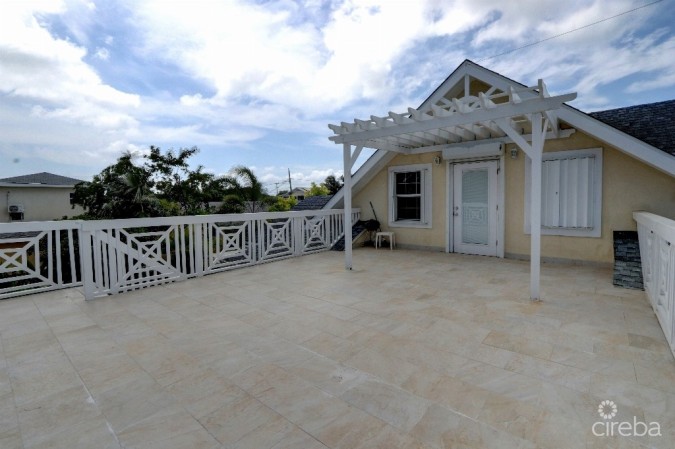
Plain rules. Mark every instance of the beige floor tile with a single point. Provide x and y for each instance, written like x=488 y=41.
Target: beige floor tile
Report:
x=266 y=435
x=45 y=418
x=11 y=439
x=234 y=421
x=442 y=350
x=196 y=439
x=393 y=405
x=328 y=375
x=594 y=363
x=205 y=393
x=387 y=368
x=568 y=376
x=660 y=376
x=521 y=345
x=163 y=426
x=297 y=438
x=133 y=401
x=350 y=430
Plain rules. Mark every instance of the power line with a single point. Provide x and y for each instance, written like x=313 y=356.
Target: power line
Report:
x=570 y=31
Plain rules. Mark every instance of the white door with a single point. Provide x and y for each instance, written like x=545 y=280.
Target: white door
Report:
x=474 y=209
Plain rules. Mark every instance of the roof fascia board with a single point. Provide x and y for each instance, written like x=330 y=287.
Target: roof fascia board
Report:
x=630 y=145
x=14 y=185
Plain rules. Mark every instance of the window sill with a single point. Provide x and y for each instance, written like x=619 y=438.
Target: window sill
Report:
x=592 y=233
x=409 y=224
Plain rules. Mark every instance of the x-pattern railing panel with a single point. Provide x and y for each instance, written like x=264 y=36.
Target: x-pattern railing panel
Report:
x=231 y=245
x=36 y=258
x=276 y=238
x=315 y=234
x=113 y=256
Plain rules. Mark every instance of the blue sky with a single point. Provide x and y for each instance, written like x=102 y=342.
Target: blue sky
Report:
x=256 y=82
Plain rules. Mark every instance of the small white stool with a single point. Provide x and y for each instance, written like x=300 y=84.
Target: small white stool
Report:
x=388 y=235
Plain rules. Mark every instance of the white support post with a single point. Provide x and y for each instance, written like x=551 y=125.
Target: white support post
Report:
x=535 y=227
x=347 y=160
x=538 y=136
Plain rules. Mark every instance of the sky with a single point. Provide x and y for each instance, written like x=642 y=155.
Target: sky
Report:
x=255 y=82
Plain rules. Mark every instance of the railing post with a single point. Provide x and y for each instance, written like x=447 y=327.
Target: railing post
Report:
x=86 y=264
x=298 y=239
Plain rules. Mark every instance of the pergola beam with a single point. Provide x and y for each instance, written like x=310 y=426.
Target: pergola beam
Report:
x=409 y=126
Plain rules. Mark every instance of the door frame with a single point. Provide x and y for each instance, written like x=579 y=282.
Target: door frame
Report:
x=450 y=198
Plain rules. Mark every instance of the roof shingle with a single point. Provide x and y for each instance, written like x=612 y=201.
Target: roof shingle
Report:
x=42 y=178
x=653 y=123
x=312 y=202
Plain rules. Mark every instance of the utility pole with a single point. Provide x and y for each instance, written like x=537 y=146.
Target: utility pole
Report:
x=290 y=186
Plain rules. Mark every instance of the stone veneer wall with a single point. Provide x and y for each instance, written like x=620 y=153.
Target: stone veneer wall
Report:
x=627 y=262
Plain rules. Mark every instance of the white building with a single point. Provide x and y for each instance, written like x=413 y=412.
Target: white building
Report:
x=37 y=197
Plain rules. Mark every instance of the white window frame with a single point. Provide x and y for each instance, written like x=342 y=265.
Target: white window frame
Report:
x=596 y=230
x=425 y=203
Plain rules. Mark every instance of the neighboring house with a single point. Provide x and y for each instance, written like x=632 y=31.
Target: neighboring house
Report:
x=298 y=193
x=473 y=197
x=37 y=197
x=312 y=202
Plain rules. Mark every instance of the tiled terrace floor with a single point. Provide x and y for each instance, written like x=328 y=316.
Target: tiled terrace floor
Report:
x=410 y=350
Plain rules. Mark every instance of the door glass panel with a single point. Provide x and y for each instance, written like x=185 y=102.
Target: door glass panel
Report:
x=475 y=226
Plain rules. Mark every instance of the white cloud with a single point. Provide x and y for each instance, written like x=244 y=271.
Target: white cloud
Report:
x=102 y=53
x=291 y=66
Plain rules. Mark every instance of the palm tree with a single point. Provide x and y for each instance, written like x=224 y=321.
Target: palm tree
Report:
x=245 y=189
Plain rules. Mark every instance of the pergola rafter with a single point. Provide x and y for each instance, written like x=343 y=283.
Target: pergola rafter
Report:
x=488 y=116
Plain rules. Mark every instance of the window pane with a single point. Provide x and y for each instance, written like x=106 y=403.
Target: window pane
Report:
x=475 y=225
x=408 y=208
x=408 y=183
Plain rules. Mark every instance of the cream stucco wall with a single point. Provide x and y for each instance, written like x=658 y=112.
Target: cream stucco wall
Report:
x=377 y=192
x=628 y=185
x=40 y=203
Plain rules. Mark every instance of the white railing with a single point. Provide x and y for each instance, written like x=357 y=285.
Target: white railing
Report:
x=113 y=256
x=657 y=251
x=39 y=256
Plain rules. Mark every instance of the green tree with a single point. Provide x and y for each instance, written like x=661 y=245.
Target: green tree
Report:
x=244 y=191
x=316 y=190
x=121 y=190
x=162 y=185
x=333 y=184
x=191 y=189
x=283 y=204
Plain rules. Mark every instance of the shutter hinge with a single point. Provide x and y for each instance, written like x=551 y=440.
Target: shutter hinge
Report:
x=498 y=170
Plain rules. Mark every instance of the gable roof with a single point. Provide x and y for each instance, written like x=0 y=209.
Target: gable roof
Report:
x=454 y=85
x=653 y=123
x=42 y=178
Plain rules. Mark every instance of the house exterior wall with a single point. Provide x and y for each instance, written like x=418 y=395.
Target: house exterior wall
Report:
x=377 y=192
x=628 y=185
x=40 y=203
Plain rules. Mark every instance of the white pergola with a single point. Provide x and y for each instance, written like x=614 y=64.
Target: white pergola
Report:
x=490 y=115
